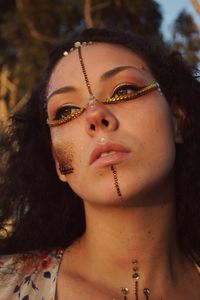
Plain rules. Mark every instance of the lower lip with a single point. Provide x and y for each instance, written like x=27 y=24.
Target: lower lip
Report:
x=115 y=158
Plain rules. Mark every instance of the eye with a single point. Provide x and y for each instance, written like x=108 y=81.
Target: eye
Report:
x=125 y=90
x=66 y=112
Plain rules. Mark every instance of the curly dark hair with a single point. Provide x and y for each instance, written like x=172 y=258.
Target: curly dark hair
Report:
x=46 y=213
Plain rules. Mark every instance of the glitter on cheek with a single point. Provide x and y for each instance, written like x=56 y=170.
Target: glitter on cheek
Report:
x=116 y=182
x=64 y=154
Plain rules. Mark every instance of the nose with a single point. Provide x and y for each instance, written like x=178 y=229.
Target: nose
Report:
x=100 y=118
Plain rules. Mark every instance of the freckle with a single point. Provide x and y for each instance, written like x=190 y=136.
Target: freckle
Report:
x=149 y=232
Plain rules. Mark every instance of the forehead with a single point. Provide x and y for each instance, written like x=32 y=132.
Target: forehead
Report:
x=98 y=59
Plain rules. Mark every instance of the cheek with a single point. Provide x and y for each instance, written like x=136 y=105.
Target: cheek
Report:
x=64 y=154
x=68 y=148
x=63 y=150
x=152 y=128
x=159 y=142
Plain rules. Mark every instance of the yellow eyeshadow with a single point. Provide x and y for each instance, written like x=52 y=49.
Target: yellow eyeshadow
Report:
x=130 y=96
x=67 y=118
x=111 y=100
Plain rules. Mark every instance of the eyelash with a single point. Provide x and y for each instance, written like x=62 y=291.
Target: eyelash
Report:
x=64 y=114
x=123 y=87
x=65 y=111
x=68 y=110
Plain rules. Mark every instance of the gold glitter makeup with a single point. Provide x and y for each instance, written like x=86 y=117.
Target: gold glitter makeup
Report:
x=64 y=169
x=112 y=100
x=75 y=113
x=64 y=155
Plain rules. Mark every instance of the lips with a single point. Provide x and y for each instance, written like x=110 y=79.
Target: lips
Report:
x=108 y=153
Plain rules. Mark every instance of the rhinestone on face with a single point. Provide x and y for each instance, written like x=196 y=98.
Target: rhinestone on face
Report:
x=124 y=290
x=102 y=140
x=146 y=291
x=91 y=102
x=77 y=44
x=134 y=261
x=136 y=276
x=65 y=53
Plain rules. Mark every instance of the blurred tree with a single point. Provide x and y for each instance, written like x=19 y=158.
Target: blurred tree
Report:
x=186 y=38
x=29 y=29
x=140 y=16
x=87 y=14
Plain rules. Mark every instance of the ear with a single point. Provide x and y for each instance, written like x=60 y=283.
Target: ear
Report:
x=61 y=176
x=178 y=118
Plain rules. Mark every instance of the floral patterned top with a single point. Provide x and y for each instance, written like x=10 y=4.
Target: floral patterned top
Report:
x=29 y=276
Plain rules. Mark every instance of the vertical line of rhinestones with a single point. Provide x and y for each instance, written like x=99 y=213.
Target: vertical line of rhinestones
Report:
x=136 y=278
x=125 y=291
x=85 y=73
x=146 y=292
x=116 y=181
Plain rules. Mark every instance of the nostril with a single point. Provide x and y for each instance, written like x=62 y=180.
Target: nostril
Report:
x=105 y=122
x=92 y=127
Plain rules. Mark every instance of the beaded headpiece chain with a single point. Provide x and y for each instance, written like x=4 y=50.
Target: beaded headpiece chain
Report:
x=111 y=100
x=78 y=46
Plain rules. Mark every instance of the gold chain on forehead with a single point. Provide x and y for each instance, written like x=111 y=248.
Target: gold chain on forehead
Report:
x=85 y=73
x=111 y=100
x=78 y=46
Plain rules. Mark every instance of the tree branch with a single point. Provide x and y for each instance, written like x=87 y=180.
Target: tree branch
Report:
x=87 y=14
x=30 y=25
x=196 y=5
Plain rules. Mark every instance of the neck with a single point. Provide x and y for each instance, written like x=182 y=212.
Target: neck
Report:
x=146 y=234
x=143 y=233
x=116 y=235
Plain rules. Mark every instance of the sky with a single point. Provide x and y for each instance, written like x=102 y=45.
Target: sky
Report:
x=170 y=10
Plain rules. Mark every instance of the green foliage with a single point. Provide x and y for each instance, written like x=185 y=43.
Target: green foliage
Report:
x=28 y=34
x=186 y=38
x=140 y=16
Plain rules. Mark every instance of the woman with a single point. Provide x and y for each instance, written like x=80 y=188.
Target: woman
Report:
x=116 y=120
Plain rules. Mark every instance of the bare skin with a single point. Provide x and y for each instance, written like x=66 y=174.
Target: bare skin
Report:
x=141 y=225
x=93 y=269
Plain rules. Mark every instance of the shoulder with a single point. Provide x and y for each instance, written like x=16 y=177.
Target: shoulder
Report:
x=32 y=272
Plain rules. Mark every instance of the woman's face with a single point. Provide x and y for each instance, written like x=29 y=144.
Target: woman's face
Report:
x=135 y=136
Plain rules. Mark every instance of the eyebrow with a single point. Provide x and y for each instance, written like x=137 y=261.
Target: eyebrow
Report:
x=117 y=70
x=62 y=90
x=103 y=77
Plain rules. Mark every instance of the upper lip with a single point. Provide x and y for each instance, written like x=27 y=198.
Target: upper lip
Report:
x=107 y=147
